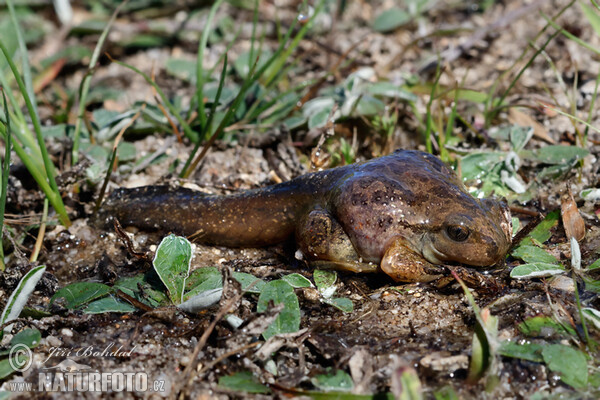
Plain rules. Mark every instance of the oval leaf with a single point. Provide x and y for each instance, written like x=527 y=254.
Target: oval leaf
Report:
x=533 y=254
x=535 y=270
x=79 y=293
x=570 y=363
x=297 y=281
x=172 y=264
x=108 y=304
x=391 y=19
x=288 y=320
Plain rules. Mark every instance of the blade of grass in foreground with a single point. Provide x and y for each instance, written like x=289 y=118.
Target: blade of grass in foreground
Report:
x=19 y=297
x=53 y=194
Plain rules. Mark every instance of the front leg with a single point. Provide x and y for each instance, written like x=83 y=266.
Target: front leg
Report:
x=325 y=244
x=404 y=265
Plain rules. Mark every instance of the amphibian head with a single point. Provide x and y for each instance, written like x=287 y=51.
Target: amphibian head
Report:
x=411 y=212
x=476 y=233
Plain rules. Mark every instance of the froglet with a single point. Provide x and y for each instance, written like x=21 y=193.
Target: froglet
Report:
x=405 y=214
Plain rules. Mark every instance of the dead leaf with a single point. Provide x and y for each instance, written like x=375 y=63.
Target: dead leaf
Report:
x=572 y=220
x=520 y=118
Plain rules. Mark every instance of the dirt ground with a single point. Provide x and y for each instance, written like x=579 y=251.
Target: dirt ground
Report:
x=392 y=326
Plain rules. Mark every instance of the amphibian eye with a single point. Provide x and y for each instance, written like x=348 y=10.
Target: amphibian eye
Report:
x=458 y=233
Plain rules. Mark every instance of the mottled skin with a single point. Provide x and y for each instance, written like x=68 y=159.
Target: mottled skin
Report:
x=406 y=213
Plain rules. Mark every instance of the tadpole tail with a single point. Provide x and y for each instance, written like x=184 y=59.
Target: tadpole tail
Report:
x=251 y=218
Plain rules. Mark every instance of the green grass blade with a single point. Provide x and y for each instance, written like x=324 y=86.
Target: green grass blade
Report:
x=22 y=134
x=253 y=37
x=571 y=36
x=488 y=112
x=11 y=98
x=591 y=111
x=23 y=51
x=428 y=115
x=284 y=55
x=19 y=297
x=4 y=175
x=36 y=172
x=54 y=194
x=495 y=110
x=230 y=112
x=573 y=117
x=200 y=66
x=193 y=136
x=84 y=87
x=185 y=171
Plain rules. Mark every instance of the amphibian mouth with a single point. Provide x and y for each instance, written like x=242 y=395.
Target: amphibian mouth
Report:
x=405 y=213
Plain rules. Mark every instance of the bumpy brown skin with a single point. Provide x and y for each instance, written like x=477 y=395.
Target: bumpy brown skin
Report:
x=395 y=212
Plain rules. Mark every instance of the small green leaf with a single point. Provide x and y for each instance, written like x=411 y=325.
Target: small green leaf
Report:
x=243 y=382
x=533 y=254
x=592 y=315
x=317 y=111
x=108 y=304
x=54 y=131
x=526 y=351
x=325 y=282
x=6 y=368
x=516 y=224
x=202 y=280
x=172 y=264
x=288 y=319
x=594 y=265
x=247 y=279
x=391 y=19
x=79 y=293
x=559 y=154
x=542 y=232
x=324 y=279
x=544 y=326
x=18 y=298
x=138 y=288
x=341 y=303
x=28 y=337
x=536 y=270
x=570 y=363
x=519 y=136
x=182 y=69
x=297 y=281
x=368 y=105
x=334 y=381
x=388 y=89
x=199 y=275
x=476 y=165
x=319 y=119
x=126 y=152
